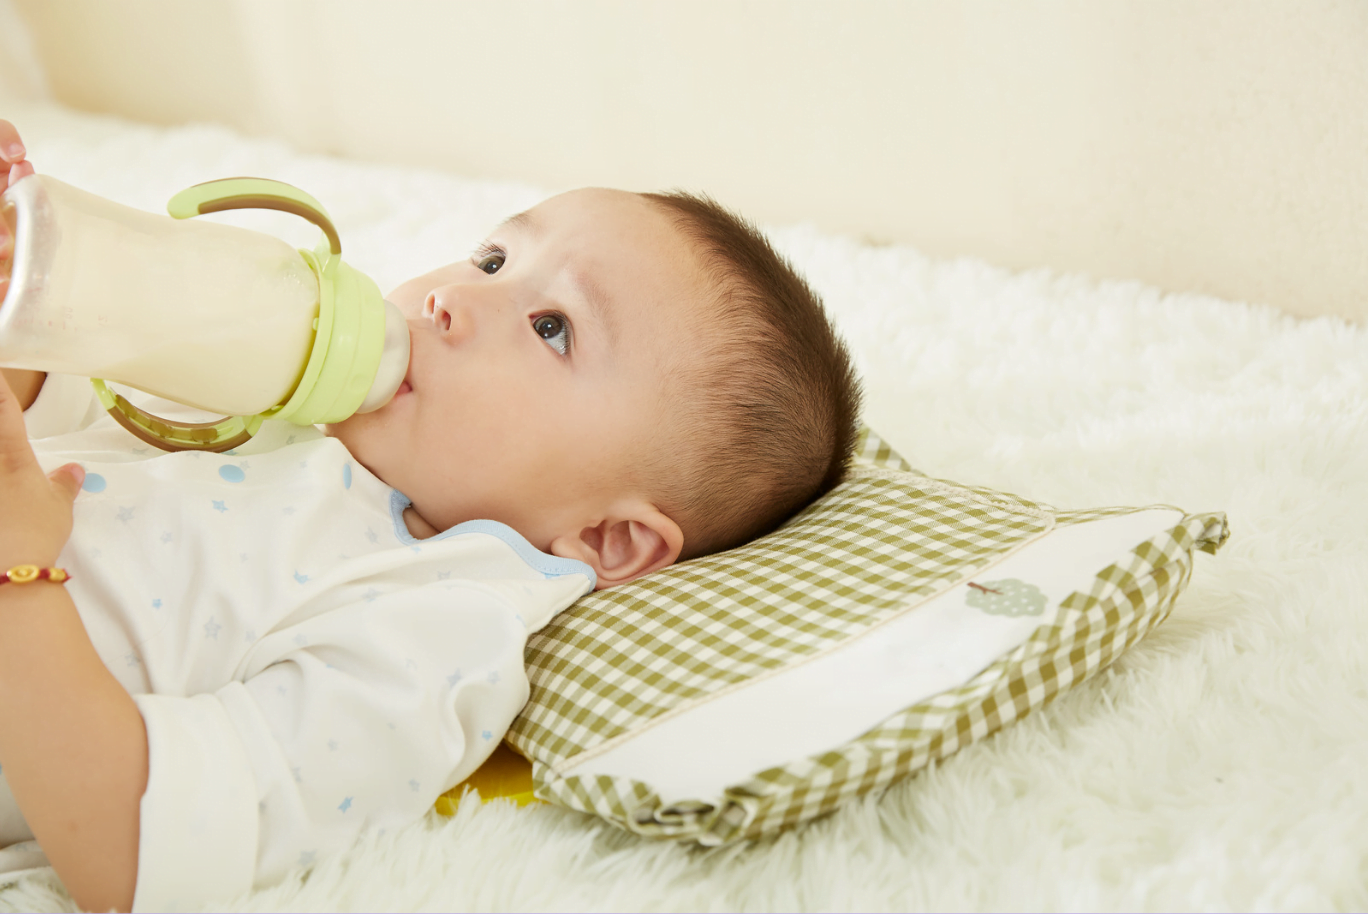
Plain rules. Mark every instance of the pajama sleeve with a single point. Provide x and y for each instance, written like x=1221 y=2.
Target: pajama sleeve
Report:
x=357 y=718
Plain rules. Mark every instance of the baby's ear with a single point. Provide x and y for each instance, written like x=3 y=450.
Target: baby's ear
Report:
x=635 y=541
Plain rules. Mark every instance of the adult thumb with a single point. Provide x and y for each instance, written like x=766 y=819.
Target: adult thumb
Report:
x=68 y=479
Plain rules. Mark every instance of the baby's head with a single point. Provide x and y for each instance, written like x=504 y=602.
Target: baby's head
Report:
x=625 y=379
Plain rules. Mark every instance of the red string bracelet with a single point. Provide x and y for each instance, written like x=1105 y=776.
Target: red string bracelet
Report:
x=27 y=574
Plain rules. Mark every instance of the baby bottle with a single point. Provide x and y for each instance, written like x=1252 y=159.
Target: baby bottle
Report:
x=216 y=317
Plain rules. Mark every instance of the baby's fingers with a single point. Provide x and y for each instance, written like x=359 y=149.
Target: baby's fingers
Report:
x=11 y=147
x=23 y=169
x=15 y=451
x=13 y=165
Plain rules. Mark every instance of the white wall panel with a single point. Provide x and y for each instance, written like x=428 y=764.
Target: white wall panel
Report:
x=1204 y=145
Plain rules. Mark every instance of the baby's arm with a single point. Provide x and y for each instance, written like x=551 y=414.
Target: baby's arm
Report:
x=72 y=741
x=14 y=166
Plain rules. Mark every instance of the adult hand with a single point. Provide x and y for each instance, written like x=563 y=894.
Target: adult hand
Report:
x=35 y=508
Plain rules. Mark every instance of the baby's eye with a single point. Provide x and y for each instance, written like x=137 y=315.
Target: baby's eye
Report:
x=489 y=260
x=555 y=330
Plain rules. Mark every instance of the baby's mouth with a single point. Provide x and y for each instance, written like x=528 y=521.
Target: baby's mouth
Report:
x=406 y=385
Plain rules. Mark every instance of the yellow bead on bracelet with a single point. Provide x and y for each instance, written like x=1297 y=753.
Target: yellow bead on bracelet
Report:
x=27 y=574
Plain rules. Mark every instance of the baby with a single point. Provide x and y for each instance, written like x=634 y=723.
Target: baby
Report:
x=260 y=653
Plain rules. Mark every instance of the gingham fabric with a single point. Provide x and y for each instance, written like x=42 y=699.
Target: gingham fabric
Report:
x=884 y=540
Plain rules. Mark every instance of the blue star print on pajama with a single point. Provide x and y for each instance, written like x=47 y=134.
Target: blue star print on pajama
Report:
x=312 y=565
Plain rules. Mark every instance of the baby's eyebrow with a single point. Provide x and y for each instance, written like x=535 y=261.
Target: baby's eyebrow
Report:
x=597 y=300
x=523 y=221
x=595 y=297
x=599 y=306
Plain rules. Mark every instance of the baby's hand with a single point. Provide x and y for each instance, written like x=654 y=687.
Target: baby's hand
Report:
x=12 y=168
x=36 y=517
x=12 y=163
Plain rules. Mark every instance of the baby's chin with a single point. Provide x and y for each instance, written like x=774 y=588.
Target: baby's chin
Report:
x=363 y=435
x=383 y=415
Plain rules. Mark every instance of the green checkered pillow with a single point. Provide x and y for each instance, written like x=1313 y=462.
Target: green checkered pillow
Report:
x=892 y=622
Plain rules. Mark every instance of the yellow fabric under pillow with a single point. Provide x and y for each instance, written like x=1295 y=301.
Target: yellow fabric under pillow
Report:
x=505 y=774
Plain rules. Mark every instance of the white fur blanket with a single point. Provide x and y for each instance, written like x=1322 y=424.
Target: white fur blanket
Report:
x=1219 y=765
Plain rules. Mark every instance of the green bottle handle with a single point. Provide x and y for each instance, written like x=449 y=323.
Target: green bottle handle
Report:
x=253 y=193
x=214 y=197
x=222 y=435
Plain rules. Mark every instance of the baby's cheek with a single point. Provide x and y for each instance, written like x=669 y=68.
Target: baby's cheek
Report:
x=411 y=306
x=408 y=297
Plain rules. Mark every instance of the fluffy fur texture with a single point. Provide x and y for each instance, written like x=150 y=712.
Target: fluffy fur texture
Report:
x=1219 y=765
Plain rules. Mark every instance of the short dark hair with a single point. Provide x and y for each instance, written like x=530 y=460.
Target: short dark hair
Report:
x=769 y=420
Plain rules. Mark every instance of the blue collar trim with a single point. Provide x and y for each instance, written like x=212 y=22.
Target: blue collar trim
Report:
x=549 y=566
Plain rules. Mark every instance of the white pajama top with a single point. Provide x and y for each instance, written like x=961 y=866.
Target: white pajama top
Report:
x=304 y=666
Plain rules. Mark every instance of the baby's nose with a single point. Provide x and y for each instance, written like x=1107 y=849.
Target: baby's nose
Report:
x=448 y=313
x=436 y=313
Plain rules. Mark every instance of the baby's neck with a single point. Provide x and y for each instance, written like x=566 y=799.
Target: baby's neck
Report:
x=418 y=528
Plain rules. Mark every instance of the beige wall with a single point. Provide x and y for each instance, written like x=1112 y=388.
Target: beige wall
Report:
x=1204 y=145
